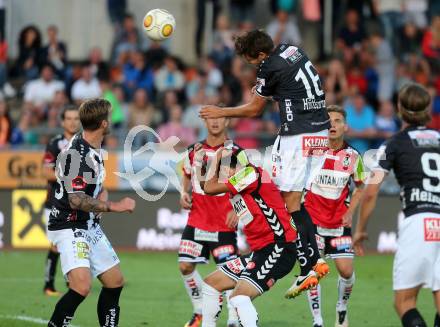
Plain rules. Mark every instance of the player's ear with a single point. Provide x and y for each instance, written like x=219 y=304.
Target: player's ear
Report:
x=345 y=127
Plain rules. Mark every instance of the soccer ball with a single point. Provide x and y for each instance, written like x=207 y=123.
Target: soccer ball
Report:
x=159 y=24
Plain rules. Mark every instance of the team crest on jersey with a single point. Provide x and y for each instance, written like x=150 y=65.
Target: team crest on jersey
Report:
x=250 y=265
x=346 y=162
x=78 y=183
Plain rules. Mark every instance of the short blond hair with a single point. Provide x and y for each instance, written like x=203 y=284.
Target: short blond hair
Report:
x=338 y=109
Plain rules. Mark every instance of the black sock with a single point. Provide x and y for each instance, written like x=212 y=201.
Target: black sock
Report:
x=65 y=309
x=437 y=320
x=301 y=243
x=51 y=269
x=108 y=307
x=412 y=318
x=313 y=246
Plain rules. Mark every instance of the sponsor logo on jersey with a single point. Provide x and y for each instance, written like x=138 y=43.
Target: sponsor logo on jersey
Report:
x=425 y=138
x=270 y=282
x=312 y=104
x=81 y=249
x=432 y=229
x=330 y=180
x=243 y=178
x=341 y=243
x=289 y=113
x=236 y=266
x=417 y=195
x=314 y=145
x=201 y=235
x=78 y=183
x=291 y=54
x=190 y=248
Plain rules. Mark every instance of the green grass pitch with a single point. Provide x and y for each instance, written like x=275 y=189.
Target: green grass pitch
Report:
x=155 y=296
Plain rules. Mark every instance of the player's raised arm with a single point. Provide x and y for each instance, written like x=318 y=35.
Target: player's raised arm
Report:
x=212 y=185
x=252 y=109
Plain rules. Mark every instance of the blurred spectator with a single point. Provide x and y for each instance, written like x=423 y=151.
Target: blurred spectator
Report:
x=390 y=15
x=116 y=10
x=360 y=120
x=55 y=108
x=23 y=133
x=223 y=43
x=137 y=75
x=284 y=30
x=6 y=90
x=415 y=10
x=200 y=84
x=386 y=123
x=410 y=38
x=5 y=124
x=356 y=81
x=29 y=47
x=384 y=65
x=169 y=77
x=155 y=55
x=168 y=101
x=200 y=23
x=352 y=33
x=142 y=112
x=55 y=52
x=431 y=44
x=271 y=119
x=242 y=10
x=435 y=109
x=127 y=38
x=336 y=86
x=175 y=128
x=98 y=66
x=215 y=77
x=42 y=90
x=191 y=117
x=87 y=87
x=245 y=130
x=285 y=5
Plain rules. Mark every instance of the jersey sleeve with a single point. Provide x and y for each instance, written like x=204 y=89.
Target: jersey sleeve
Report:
x=385 y=157
x=359 y=173
x=186 y=168
x=50 y=154
x=244 y=181
x=267 y=79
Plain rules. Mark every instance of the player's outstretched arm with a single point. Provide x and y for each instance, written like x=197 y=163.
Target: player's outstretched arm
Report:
x=252 y=109
x=84 y=202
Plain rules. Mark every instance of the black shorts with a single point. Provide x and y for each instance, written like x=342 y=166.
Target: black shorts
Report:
x=264 y=267
x=196 y=246
x=334 y=243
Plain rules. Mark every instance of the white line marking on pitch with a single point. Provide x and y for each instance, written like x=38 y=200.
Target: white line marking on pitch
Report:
x=35 y=320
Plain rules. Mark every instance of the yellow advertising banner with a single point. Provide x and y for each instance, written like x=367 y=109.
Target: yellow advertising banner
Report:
x=28 y=222
x=24 y=169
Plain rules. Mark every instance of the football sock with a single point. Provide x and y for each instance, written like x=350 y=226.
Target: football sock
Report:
x=412 y=318
x=437 y=320
x=345 y=287
x=232 y=313
x=65 y=309
x=108 y=307
x=193 y=284
x=314 y=296
x=51 y=268
x=212 y=305
x=301 y=243
x=313 y=246
x=247 y=315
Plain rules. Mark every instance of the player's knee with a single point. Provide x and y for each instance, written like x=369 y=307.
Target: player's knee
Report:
x=186 y=268
x=346 y=272
x=118 y=282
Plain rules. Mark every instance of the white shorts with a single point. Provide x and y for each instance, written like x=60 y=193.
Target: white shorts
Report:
x=417 y=260
x=46 y=219
x=84 y=248
x=297 y=158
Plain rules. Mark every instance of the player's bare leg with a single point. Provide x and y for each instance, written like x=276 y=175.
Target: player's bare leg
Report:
x=436 y=295
x=307 y=249
x=345 y=285
x=405 y=304
x=80 y=283
x=213 y=286
x=193 y=285
x=108 y=302
x=50 y=271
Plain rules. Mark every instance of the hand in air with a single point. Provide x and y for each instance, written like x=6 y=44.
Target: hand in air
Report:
x=124 y=205
x=211 y=112
x=185 y=200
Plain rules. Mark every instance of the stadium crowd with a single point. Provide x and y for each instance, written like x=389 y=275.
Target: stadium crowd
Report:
x=378 y=47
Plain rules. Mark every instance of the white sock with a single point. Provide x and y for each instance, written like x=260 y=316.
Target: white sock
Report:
x=212 y=305
x=247 y=315
x=344 y=290
x=314 y=296
x=193 y=284
x=232 y=313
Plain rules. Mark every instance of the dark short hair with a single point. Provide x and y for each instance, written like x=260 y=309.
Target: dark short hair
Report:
x=252 y=43
x=66 y=109
x=413 y=102
x=338 y=109
x=92 y=112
